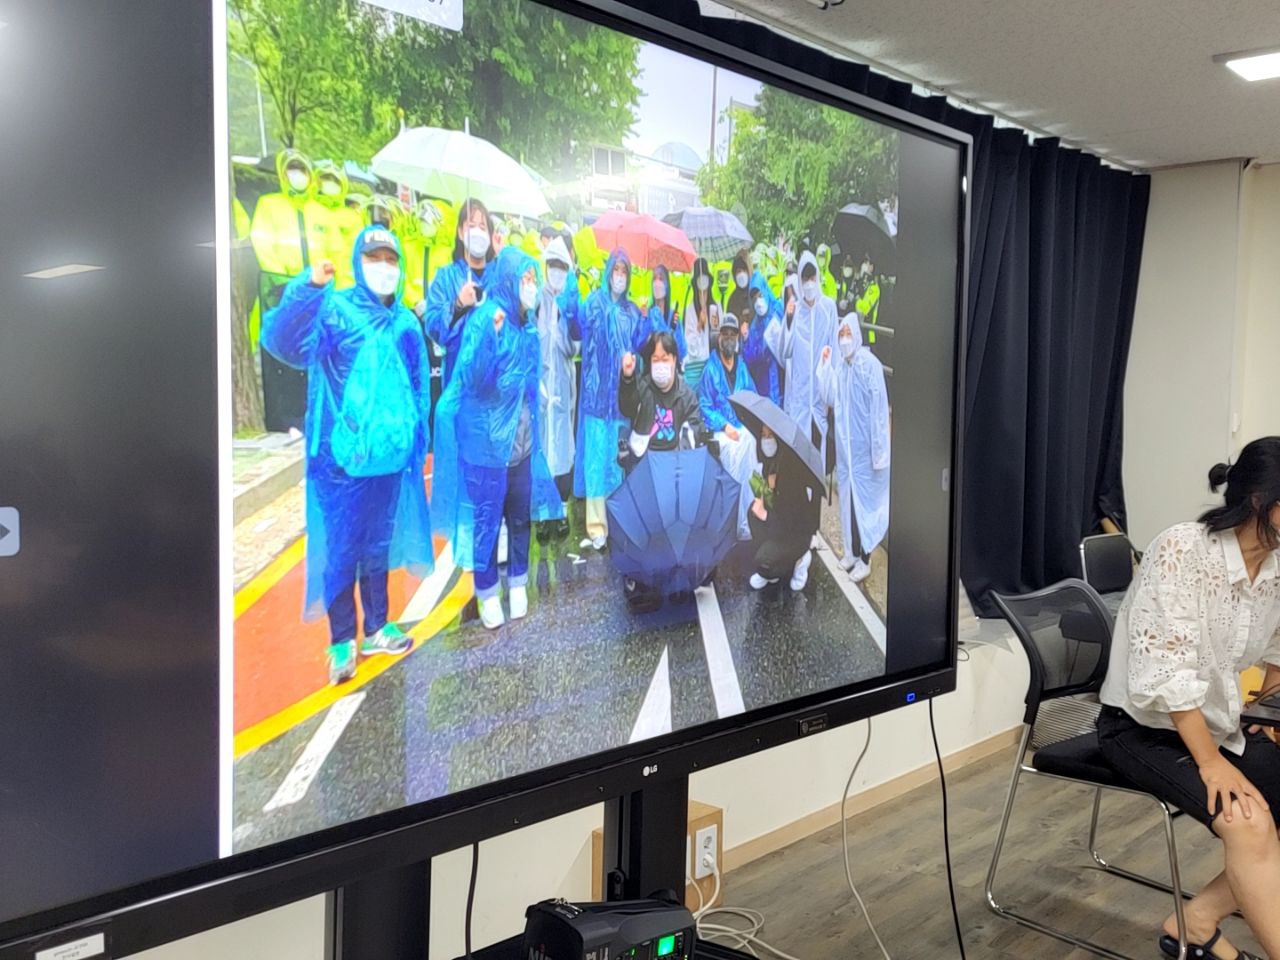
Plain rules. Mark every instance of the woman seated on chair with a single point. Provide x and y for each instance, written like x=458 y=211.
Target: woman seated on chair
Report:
x=1204 y=606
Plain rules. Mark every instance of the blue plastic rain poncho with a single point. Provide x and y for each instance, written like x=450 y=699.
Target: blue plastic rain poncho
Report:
x=763 y=365
x=855 y=389
x=442 y=322
x=664 y=316
x=611 y=327
x=799 y=345
x=368 y=404
x=715 y=389
x=479 y=415
x=558 y=391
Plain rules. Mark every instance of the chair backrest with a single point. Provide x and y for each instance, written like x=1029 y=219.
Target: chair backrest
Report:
x=1065 y=630
x=1106 y=562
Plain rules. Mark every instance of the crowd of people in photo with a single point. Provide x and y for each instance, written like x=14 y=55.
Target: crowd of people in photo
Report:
x=551 y=382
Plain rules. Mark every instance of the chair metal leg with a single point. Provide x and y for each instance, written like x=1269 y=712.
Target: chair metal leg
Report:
x=996 y=907
x=1175 y=874
x=1149 y=882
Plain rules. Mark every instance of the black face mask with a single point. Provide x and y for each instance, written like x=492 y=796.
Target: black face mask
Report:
x=729 y=346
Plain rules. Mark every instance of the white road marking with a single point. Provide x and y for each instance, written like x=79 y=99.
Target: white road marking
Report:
x=430 y=590
x=715 y=640
x=853 y=593
x=655 y=713
x=304 y=772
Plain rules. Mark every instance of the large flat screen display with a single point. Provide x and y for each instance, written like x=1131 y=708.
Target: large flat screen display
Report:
x=550 y=393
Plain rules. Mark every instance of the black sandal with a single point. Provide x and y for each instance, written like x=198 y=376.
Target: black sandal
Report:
x=1198 y=951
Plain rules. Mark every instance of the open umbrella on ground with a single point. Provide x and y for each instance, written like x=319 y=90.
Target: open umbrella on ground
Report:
x=673 y=519
x=648 y=241
x=757 y=411
x=861 y=228
x=715 y=234
x=454 y=165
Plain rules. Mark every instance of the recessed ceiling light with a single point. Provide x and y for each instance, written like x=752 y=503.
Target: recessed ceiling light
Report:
x=1258 y=65
x=66 y=270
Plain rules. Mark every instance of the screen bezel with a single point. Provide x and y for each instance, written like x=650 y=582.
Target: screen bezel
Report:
x=170 y=907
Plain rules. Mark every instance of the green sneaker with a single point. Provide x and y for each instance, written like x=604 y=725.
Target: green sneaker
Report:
x=390 y=640
x=342 y=662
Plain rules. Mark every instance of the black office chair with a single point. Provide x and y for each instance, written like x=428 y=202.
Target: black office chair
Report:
x=1066 y=632
x=1106 y=564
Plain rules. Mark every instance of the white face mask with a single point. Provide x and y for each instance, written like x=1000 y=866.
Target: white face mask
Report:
x=528 y=295
x=659 y=289
x=618 y=284
x=810 y=291
x=556 y=277
x=848 y=272
x=330 y=188
x=846 y=347
x=866 y=269
x=704 y=282
x=769 y=447
x=382 y=278
x=761 y=307
x=298 y=179
x=742 y=279
x=663 y=372
x=477 y=242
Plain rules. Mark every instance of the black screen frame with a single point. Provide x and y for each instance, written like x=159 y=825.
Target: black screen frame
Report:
x=168 y=908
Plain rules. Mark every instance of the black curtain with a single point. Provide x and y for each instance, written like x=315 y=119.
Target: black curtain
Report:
x=1055 y=247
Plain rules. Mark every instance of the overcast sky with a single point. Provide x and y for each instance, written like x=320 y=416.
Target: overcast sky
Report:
x=675 y=101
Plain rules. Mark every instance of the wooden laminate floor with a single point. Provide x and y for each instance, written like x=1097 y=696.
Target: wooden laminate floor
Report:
x=896 y=852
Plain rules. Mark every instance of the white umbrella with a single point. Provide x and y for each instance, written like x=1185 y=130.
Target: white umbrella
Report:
x=453 y=165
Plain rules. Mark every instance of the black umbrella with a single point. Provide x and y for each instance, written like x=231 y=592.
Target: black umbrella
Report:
x=673 y=519
x=756 y=411
x=860 y=228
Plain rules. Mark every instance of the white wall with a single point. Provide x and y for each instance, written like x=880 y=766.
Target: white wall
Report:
x=1178 y=391
x=1259 y=371
x=1206 y=337
x=759 y=794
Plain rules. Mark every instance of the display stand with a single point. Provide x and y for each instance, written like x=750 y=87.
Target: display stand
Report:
x=385 y=916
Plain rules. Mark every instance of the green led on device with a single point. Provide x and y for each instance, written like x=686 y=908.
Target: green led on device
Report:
x=666 y=946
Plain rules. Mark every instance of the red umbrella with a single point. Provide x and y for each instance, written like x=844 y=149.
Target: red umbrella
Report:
x=647 y=241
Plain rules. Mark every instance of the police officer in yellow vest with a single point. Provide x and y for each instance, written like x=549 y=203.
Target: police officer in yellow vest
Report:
x=332 y=225
x=868 y=303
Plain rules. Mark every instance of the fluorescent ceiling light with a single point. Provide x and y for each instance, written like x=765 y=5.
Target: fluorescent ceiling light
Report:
x=1259 y=65
x=66 y=270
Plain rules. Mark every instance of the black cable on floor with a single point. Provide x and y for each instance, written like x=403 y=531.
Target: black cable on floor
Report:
x=946 y=833
x=471 y=892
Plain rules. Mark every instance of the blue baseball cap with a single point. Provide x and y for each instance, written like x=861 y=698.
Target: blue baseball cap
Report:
x=378 y=239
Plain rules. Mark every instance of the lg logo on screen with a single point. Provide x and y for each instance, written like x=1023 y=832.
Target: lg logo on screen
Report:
x=650 y=770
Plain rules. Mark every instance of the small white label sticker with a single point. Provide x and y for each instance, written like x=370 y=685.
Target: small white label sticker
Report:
x=442 y=13
x=94 y=946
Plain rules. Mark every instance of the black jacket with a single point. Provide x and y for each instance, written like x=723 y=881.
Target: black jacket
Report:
x=659 y=416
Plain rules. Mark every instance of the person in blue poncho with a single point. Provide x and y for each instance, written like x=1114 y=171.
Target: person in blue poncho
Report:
x=558 y=311
x=663 y=315
x=489 y=462
x=611 y=326
x=765 y=370
x=459 y=287
x=724 y=375
x=368 y=404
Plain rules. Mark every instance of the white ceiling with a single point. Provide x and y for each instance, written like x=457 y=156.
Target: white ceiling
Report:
x=1131 y=80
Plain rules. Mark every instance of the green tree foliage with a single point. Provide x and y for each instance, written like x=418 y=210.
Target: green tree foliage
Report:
x=339 y=73
x=793 y=163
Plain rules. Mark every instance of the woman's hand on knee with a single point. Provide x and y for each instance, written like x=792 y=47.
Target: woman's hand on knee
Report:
x=1225 y=783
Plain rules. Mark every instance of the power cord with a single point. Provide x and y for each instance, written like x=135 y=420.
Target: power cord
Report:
x=844 y=841
x=946 y=832
x=739 y=938
x=471 y=893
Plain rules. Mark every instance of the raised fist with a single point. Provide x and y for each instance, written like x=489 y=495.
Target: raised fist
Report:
x=499 y=318
x=628 y=364
x=322 y=273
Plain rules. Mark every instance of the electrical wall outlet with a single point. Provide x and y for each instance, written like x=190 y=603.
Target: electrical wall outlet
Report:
x=705 y=852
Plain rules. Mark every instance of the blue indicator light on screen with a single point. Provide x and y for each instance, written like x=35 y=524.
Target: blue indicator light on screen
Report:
x=911 y=698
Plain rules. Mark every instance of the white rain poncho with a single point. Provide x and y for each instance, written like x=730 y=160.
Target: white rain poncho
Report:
x=855 y=389
x=798 y=346
x=558 y=386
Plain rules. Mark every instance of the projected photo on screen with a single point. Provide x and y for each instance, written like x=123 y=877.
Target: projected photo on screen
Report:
x=560 y=418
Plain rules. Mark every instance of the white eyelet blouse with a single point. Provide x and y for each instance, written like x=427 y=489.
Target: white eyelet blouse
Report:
x=1189 y=624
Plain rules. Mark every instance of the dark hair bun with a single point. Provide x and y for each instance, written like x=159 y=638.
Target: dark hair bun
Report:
x=1217 y=476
